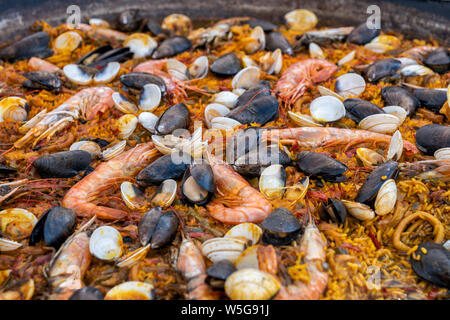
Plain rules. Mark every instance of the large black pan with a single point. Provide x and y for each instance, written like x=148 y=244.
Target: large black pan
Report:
x=418 y=19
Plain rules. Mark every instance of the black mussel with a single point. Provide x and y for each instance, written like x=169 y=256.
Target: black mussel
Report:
x=169 y=166
x=431 y=262
x=42 y=80
x=373 y=183
x=358 y=109
x=176 y=117
x=242 y=142
x=276 y=40
x=165 y=230
x=433 y=137
x=171 y=47
x=137 y=80
x=381 y=68
x=55 y=226
x=64 y=164
x=114 y=55
x=333 y=209
x=438 y=60
x=197 y=186
x=129 y=20
x=265 y=25
x=155 y=28
x=147 y=225
x=90 y=57
x=87 y=293
x=396 y=96
x=226 y=65
x=218 y=272
x=35 y=45
x=281 y=227
x=362 y=34
x=431 y=99
x=4 y=170
x=101 y=142
x=256 y=160
x=320 y=165
x=262 y=87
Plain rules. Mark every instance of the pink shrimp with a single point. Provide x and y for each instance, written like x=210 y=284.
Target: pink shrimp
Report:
x=103 y=34
x=314 y=137
x=192 y=265
x=37 y=64
x=121 y=168
x=88 y=103
x=236 y=201
x=296 y=79
x=174 y=86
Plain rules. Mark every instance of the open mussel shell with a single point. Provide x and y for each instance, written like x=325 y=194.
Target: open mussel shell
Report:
x=251 y=284
x=133 y=197
x=106 y=243
x=89 y=146
x=246 y=78
x=42 y=80
x=17 y=222
x=386 y=198
x=199 y=68
x=333 y=209
x=358 y=210
x=395 y=147
x=132 y=257
x=150 y=97
x=131 y=290
x=226 y=65
x=433 y=137
x=148 y=121
x=78 y=74
x=137 y=80
x=248 y=231
x=318 y=164
x=381 y=68
x=197 y=186
x=13 y=109
x=272 y=181
x=165 y=194
x=64 y=164
x=218 y=272
x=176 y=117
x=350 y=84
x=281 y=227
x=147 y=225
x=375 y=180
x=431 y=262
x=380 y=123
x=9 y=245
x=369 y=157
x=123 y=104
x=362 y=34
x=59 y=224
x=226 y=248
x=87 y=293
x=141 y=44
x=108 y=73
x=327 y=109
x=114 y=150
x=165 y=230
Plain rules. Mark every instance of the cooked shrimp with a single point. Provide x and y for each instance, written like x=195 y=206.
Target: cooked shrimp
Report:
x=300 y=76
x=175 y=87
x=192 y=265
x=427 y=169
x=37 y=64
x=69 y=265
x=314 y=137
x=103 y=34
x=121 y=168
x=88 y=103
x=236 y=201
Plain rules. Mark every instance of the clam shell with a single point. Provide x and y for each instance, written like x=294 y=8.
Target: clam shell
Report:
x=90 y=146
x=164 y=144
x=166 y=193
x=369 y=157
x=141 y=44
x=248 y=258
x=251 y=284
x=114 y=151
x=397 y=111
x=215 y=110
x=77 y=75
x=132 y=257
x=224 y=123
x=177 y=69
x=249 y=62
x=199 y=68
x=298 y=191
x=97 y=22
x=383 y=43
x=272 y=63
x=303 y=120
x=9 y=245
x=132 y=196
x=442 y=154
x=395 y=147
x=347 y=58
x=248 y=231
x=257 y=40
x=108 y=73
x=327 y=92
x=350 y=85
x=131 y=290
x=386 y=198
x=148 y=121
x=227 y=98
x=67 y=42
x=272 y=181
x=106 y=243
x=127 y=124
x=226 y=248
x=17 y=222
x=415 y=70
x=300 y=20
x=381 y=123
x=315 y=52
x=13 y=109
x=358 y=210
x=245 y=78
x=150 y=97
x=327 y=109
x=123 y=104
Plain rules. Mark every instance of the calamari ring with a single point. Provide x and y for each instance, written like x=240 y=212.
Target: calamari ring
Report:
x=437 y=225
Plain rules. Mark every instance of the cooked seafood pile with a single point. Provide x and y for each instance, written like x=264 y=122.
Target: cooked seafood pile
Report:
x=238 y=160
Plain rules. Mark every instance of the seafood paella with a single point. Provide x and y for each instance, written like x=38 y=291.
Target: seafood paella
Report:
x=232 y=159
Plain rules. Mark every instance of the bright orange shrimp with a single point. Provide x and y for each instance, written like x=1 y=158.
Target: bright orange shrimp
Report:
x=174 y=86
x=314 y=137
x=68 y=266
x=88 y=103
x=236 y=201
x=121 y=168
x=37 y=64
x=192 y=265
x=296 y=79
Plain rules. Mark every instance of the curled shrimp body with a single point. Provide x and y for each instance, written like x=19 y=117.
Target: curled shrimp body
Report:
x=236 y=201
x=38 y=64
x=192 y=265
x=314 y=137
x=296 y=79
x=87 y=103
x=69 y=265
x=123 y=167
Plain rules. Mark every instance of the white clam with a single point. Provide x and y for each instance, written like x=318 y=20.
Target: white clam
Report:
x=238 y=91
x=9 y=245
x=397 y=111
x=415 y=70
x=131 y=290
x=300 y=20
x=215 y=110
x=395 y=147
x=248 y=258
x=141 y=44
x=17 y=222
x=327 y=109
x=442 y=154
x=251 y=284
x=177 y=69
x=132 y=257
x=381 y=123
x=13 y=109
x=123 y=104
x=133 y=197
x=303 y=120
x=148 y=121
x=224 y=123
x=227 y=98
x=258 y=40
x=358 y=210
x=166 y=144
x=166 y=193
x=67 y=41
x=108 y=73
x=315 y=51
x=199 y=68
x=369 y=157
x=90 y=146
x=327 y=92
x=228 y=248
x=248 y=231
x=77 y=74
x=386 y=198
x=127 y=124
x=350 y=84
x=106 y=243
x=272 y=181
x=272 y=62
x=249 y=62
x=245 y=78
x=347 y=58
x=114 y=150
x=150 y=97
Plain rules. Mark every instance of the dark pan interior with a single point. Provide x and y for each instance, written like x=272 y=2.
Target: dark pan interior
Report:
x=418 y=19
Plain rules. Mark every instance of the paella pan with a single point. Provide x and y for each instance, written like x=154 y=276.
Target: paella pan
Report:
x=235 y=158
